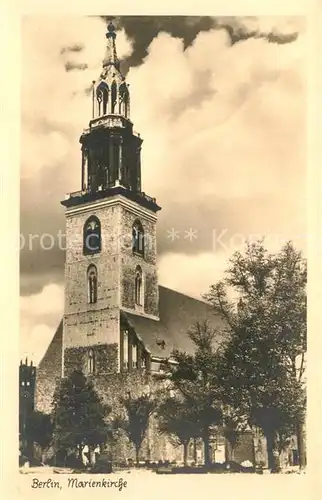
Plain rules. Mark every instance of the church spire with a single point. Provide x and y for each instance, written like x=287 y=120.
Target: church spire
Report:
x=111 y=94
x=111 y=55
x=111 y=150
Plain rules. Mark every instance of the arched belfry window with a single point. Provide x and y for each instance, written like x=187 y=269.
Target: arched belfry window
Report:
x=124 y=99
x=113 y=97
x=138 y=238
x=92 y=284
x=92 y=236
x=90 y=362
x=138 y=286
x=102 y=98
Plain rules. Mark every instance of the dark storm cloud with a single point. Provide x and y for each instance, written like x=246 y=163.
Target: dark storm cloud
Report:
x=39 y=266
x=41 y=211
x=42 y=225
x=238 y=31
x=72 y=66
x=72 y=48
x=143 y=29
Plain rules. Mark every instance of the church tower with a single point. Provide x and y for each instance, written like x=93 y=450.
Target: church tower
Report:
x=110 y=263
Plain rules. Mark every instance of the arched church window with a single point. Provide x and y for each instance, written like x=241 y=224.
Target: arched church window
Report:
x=138 y=286
x=92 y=284
x=138 y=238
x=90 y=362
x=113 y=97
x=92 y=236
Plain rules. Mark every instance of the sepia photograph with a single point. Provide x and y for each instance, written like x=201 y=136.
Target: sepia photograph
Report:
x=163 y=247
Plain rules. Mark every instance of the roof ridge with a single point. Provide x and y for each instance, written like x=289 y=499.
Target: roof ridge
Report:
x=185 y=295
x=58 y=331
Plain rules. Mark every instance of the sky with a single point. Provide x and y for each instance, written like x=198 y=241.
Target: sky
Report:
x=221 y=106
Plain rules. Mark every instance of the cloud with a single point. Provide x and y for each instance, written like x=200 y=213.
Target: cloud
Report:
x=55 y=110
x=224 y=132
x=46 y=303
x=241 y=153
x=40 y=315
x=194 y=273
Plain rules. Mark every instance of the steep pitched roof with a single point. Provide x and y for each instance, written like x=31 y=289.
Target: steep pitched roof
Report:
x=54 y=351
x=49 y=371
x=178 y=313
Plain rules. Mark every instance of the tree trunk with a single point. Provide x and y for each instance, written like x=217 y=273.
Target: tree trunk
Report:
x=30 y=449
x=272 y=452
x=137 y=451
x=301 y=445
x=185 y=453
x=228 y=451
x=195 y=450
x=206 y=440
x=92 y=456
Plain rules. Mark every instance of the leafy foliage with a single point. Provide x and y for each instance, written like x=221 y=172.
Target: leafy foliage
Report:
x=195 y=378
x=39 y=429
x=263 y=362
x=78 y=415
x=138 y=411
x=177 y=419
x=232 y=429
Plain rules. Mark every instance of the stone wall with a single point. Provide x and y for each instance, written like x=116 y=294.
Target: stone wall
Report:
x=130 y=261
x=105 y=359
x=245 y=448
x=88 y=324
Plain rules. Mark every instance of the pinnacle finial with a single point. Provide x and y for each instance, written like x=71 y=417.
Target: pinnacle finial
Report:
x=111 y=26
x=110 y=30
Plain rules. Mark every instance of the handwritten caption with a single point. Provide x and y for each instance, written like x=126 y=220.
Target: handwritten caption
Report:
x=119 y=483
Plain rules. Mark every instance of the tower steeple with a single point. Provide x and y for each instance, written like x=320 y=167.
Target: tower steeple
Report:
x=111 y=93
x=111 y=150
x=110 y=235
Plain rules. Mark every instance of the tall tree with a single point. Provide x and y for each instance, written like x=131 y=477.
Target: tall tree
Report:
x=231 y=430
x=263 y=363
x=78 y=415
x=195 y=378
x=39 y=429
x=177 y=419
x=135 y=423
